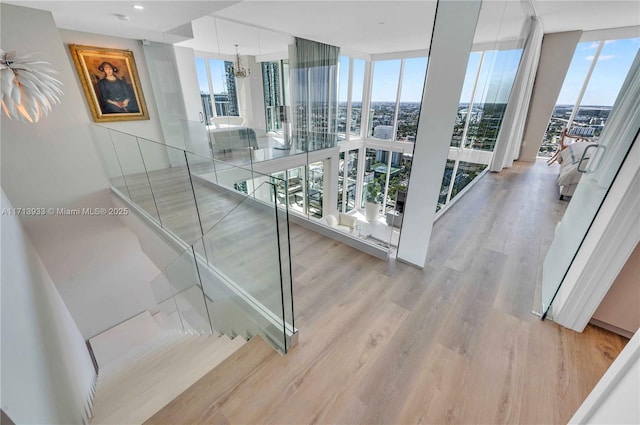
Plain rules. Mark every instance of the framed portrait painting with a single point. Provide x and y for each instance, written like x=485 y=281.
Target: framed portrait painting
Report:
x=111 y=84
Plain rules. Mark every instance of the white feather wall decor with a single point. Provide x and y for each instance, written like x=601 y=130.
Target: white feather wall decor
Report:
x=28 y=87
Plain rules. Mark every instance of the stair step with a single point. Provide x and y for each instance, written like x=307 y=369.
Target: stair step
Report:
x=124 y=337
x=145 y=382
x=194 y=404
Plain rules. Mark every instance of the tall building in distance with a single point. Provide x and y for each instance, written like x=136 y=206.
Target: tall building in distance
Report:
x=272 y=93
x=232 y=93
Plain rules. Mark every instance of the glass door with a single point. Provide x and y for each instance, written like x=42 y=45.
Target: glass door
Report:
x=599 y=172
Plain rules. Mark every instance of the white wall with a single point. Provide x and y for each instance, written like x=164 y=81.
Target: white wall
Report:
x=95 y=261
x=98 y=267
x=251 y=97
x=555 y=58
x=47 y=374
x=185 y=60
x=150 y=128
x=42 y=163
x=155 y=156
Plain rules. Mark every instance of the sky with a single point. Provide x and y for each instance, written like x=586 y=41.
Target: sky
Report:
x=495 y=81
x=385 y=80
x=608 y=75
x=218 y=76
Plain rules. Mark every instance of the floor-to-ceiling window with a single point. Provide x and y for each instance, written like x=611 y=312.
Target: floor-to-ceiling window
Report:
x=592 y=83
x=384 y=96
x=396 y=95
x=217 y=87
x=413 y=73
x=483 y=102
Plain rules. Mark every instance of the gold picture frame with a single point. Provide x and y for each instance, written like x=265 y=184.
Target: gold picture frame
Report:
x=111 y=84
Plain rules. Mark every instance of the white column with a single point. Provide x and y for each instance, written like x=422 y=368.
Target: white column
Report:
x=555 y=58
x=453 y=32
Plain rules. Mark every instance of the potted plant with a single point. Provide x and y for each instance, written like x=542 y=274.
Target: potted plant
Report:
x=371 y=207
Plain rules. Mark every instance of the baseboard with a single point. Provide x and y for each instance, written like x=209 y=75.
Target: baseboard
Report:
x=625 y=333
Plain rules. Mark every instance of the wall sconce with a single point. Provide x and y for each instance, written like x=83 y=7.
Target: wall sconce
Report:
x=28 y=88
x=238 y=70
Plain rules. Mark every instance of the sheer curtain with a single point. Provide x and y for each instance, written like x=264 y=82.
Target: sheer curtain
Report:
x=315 y=94
x=508 y=143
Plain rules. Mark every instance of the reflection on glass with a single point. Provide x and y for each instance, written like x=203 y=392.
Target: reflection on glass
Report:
x=384 y=91
x=470 y=77
x=465 y=173
x=488 y=82
x=498 y=71
x=446 y=183
x=413 y=75
x=356 y=96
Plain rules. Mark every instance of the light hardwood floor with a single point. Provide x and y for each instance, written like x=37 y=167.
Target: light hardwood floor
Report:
x=387 y=343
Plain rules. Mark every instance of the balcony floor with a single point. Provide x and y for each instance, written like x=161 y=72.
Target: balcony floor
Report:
x=387 y=343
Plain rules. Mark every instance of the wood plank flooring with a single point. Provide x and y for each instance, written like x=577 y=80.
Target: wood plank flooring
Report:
x=386 y=343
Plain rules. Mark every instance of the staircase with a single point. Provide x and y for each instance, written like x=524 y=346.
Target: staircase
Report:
x=143 y=367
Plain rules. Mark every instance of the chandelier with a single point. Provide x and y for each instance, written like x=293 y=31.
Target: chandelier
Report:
x=238 y=70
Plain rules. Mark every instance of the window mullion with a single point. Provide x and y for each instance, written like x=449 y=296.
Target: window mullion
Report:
x=585 y=84
x=347 y=131
x=386 y=183
x=454 y=172
x=398 y=94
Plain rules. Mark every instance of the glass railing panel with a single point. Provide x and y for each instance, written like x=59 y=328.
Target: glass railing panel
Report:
x=213 y=201
x=134 y=171
x=233 y=145
x=243 y=247
x=284 y=248
x=182 y=275
x=171 y=184
x=196 y=138
x=167 y=315
x=109 y=159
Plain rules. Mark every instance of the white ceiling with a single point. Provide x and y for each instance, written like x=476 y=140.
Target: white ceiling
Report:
x=369 y=27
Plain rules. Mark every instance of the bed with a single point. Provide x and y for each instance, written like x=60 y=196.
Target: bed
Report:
x=569 y=159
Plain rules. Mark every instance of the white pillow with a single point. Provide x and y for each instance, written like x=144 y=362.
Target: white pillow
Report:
x=331 y=220
x=348 y=220
x=576 y=150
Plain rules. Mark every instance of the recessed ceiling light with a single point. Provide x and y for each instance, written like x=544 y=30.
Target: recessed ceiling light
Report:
x=138 y=7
